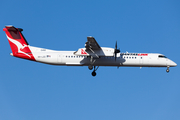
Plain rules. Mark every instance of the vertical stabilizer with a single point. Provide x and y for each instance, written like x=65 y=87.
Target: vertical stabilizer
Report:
x=18 y=43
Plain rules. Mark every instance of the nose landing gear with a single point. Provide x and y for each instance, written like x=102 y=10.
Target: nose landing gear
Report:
x=167 y=70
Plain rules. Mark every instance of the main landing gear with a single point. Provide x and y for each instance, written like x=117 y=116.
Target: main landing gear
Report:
x=167 y=70
x=94 y=71
x=91 y=66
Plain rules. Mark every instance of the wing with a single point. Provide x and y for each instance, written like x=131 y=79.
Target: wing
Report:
x=91 y=44
x=93 y=49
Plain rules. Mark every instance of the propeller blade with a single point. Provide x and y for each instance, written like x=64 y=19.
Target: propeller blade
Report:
x=116 y=51
x=116 y=45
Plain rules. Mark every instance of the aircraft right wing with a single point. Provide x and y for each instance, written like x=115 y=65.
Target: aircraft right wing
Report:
x=92 y=44
x=93 y=49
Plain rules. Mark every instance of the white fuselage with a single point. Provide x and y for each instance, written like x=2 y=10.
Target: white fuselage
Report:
x=68 y=58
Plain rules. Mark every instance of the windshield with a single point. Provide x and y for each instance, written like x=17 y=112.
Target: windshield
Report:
x=162 y=56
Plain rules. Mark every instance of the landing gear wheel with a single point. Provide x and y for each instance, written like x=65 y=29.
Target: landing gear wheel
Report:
x=90 y=67
x=93 y=73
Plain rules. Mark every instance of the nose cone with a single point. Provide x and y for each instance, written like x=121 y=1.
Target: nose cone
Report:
x=172 y=64
x=175 y=64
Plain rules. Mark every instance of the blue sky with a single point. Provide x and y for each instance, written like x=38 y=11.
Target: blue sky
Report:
x=36 y=91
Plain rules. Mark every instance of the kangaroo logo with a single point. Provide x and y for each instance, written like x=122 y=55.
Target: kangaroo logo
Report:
x=19 y=45
x=83 y=52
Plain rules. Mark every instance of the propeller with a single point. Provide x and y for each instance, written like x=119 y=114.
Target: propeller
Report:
x=116 y=51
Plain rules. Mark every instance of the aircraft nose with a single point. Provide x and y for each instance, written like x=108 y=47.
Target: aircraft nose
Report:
x=173 y=64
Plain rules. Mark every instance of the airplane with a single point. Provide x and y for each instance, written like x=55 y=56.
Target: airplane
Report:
x=92 y=55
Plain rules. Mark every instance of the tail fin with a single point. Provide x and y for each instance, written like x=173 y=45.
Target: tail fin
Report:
x=18 y=43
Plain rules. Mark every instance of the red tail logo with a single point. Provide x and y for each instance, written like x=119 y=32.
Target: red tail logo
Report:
x=18 y=43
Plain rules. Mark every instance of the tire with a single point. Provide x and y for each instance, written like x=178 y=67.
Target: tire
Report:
x=93 y=73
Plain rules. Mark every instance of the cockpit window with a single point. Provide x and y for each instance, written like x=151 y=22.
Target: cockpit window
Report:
x=162 y=56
